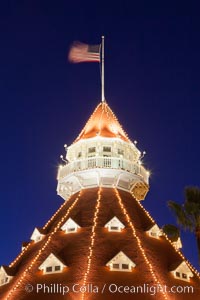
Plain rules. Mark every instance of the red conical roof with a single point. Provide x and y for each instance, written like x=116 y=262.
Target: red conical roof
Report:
x=104 y=123
x=85 y=254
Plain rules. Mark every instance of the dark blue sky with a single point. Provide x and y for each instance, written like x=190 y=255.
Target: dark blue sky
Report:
x=152 y=83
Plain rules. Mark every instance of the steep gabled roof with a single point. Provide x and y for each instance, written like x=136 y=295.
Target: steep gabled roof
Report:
x=104 y=123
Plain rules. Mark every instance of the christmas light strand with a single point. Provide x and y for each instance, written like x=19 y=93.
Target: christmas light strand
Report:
x=84 y=129
x=191 y=267
x=31 y=243
x=93 y=234
x=109 y=113
x=128 y=219
x=20 y=255
x=115 y=118
x=40 y=252
x=56 y=213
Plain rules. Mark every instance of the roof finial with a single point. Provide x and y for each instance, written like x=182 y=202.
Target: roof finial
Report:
x=102 y=70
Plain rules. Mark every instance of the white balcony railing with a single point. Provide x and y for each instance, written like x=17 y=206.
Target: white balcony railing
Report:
x=103 y=162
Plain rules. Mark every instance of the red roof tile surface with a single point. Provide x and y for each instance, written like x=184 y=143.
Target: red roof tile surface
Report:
x=92 y=209
x=104 y=123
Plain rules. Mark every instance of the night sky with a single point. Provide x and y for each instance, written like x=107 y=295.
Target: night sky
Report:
x=152 y=83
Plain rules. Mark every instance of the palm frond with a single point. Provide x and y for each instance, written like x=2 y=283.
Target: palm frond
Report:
x=192 y=195
x=181 y=215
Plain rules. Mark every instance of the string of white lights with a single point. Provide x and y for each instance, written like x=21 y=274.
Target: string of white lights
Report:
x=32 y=243
x=128 y=219
x=40 y=252
x=93 y=234
x=181 y=255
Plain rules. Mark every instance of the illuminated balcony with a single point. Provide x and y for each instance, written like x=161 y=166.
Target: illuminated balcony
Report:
x=106 y=163
x=104 y=171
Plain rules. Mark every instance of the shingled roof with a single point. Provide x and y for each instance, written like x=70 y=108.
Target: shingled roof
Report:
x=104 y=123
x=92 y=208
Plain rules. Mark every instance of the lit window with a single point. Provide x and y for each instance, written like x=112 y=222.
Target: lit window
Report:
x=107 y=149
x=91 y=149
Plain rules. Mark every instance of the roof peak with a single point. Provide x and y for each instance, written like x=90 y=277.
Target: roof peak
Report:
x=104 y=123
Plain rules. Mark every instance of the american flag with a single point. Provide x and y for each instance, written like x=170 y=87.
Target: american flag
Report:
x=80 y=52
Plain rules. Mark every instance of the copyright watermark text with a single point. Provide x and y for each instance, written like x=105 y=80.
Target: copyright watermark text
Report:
x=112 y=288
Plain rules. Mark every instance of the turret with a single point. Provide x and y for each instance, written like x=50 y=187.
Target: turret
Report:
x=103 y=155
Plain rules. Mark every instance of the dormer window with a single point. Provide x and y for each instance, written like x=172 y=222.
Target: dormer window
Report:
x=4 y=280
x=24 y=245
x=70 y=226
x=37 y=235
x=91 y=150
x=177 y=243
x=183 y=272
x=154 y=231
x=114 y=225
x=106 y=149
x=5 y=276
x=52 y=264
x=121 y=262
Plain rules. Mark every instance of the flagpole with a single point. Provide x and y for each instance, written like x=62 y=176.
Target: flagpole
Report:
x=102 y=70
